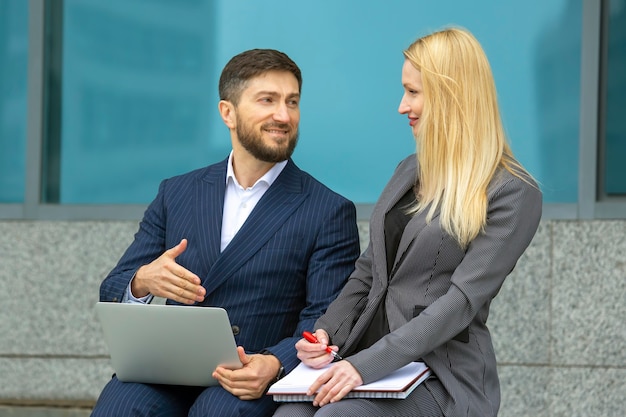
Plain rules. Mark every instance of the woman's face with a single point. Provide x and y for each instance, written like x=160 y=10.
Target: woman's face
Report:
x=412 y=101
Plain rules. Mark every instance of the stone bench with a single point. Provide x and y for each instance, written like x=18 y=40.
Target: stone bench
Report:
x=557 y=323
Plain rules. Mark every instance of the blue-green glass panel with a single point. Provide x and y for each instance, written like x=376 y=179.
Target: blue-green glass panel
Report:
x=13 y=84
x=140 y=99
x=138 y=87
x=351 y=59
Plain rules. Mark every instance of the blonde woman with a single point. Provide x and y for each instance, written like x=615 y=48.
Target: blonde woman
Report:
x=448 y=228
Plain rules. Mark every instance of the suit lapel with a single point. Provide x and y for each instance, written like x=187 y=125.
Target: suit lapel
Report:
x=413 y=228
x=210 y=205
x=270 y=213
x=411 y=231
x=398 y=185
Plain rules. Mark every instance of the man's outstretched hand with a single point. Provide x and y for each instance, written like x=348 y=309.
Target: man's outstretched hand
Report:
x=163 y=277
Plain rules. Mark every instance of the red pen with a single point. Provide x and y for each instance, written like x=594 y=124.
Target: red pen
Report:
x=310 y=337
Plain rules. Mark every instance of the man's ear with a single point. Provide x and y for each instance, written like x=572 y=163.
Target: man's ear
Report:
x=227 y=112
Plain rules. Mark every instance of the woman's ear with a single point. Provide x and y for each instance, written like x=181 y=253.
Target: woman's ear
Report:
x=227 y=112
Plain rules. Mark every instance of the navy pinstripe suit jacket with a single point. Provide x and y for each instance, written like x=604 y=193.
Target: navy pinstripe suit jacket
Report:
x=288 y=261
x=436 y=292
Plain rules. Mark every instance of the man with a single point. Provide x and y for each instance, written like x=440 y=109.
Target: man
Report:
x=252 y=234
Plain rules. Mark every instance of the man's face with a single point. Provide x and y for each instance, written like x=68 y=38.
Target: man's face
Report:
x=267 y=116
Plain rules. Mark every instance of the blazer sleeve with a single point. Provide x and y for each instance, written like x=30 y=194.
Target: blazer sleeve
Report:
x=148 y=244
x=514 y=212
x=347 y=308
x=331 y=262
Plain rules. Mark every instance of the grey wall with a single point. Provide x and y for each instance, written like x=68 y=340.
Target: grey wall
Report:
x=558 y=323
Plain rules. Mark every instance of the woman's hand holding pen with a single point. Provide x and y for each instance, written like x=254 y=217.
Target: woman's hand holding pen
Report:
x=315 y=354
x=340 y=379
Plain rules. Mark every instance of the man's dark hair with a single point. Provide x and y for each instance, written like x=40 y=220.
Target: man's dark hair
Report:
x=250 y=64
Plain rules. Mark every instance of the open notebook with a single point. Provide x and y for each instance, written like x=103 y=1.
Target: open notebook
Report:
x=398 y=384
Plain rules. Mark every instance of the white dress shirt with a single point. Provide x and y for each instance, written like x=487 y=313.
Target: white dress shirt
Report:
x=239 y=201
x=238 y=204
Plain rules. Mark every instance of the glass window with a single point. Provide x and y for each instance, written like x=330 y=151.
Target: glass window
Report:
x=13 y=75
x=615 y=122
x=137 y=87
x=556 y=58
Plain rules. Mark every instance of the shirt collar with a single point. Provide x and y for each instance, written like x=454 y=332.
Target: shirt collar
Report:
x=269 y=177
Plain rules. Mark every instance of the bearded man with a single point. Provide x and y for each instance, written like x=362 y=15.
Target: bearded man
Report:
x=252 y=234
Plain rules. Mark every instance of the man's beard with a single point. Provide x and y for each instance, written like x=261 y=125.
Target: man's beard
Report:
x=253 y=142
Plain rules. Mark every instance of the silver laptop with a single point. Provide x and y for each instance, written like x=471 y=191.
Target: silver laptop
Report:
x=163 y=344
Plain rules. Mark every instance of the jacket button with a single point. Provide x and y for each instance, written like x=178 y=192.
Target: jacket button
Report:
x=235 y=330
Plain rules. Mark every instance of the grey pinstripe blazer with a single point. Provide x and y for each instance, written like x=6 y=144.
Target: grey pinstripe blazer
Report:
x=437 y=293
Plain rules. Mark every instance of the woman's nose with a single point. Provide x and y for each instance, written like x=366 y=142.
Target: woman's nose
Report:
x=403 y=107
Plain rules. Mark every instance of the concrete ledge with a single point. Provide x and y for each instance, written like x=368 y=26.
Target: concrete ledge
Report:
x=524 y=391
x=557 y=323
x=15 y=411
x=53 y=381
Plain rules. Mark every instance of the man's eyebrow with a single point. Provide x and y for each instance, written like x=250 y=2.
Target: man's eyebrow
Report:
x=266 y=93
x=274 y=94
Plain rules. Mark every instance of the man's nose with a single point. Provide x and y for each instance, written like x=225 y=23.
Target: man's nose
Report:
x=282 y=113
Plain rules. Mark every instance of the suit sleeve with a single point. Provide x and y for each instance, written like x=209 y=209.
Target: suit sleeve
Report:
x=513 y=216
x=331 y=262
x=148 y=244
x=346 y=309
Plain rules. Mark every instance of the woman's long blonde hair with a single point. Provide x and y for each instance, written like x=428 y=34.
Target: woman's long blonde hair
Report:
x=460 y=140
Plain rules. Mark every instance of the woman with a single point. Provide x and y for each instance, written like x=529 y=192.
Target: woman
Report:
x=447 y=230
